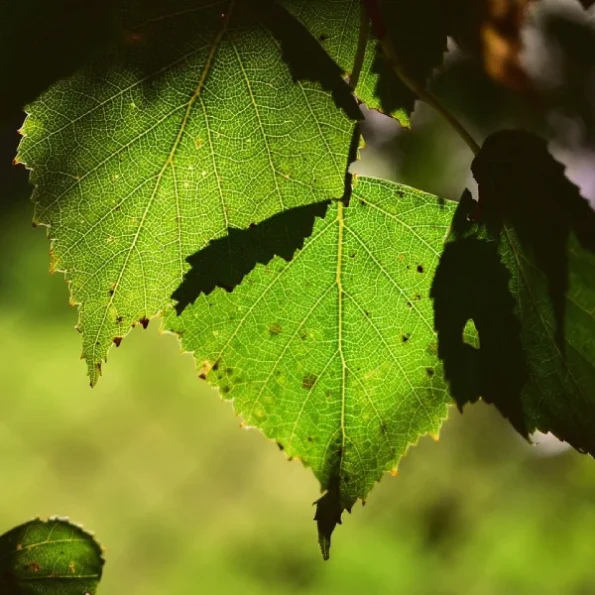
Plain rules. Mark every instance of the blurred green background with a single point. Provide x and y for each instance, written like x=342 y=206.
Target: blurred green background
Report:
x=186 y=502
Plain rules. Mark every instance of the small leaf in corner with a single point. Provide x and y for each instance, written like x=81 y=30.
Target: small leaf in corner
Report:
x=51 y=557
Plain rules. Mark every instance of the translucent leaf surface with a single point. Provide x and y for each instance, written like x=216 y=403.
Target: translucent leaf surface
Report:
x=201 y=120
x=333 y=354
x=49 y=558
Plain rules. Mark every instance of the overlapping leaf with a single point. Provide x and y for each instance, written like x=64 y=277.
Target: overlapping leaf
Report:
x=194 y=125
x=527 y=280
x=51 y=557
x=417 y=30
x=333 y=354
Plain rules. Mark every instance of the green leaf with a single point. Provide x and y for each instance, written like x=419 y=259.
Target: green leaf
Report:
x=51 y=557
x=418 y=33
x=333 y=353
x=416 y=29
x=525 y=276
x=201 y=121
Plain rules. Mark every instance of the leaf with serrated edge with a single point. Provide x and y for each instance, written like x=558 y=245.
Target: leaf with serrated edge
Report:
x=49 y=558
x=194 y=125
x=333 y=354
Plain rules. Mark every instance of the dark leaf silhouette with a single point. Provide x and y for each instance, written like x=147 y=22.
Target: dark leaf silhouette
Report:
x=523 y=186
x=471 y=284
x=525 y=274
x=418 y=32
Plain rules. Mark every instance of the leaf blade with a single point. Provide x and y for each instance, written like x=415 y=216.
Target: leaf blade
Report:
x=332 y=354
x=49 y=557
x=144 y=140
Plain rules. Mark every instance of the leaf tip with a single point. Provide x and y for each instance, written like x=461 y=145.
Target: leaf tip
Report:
x=327 y=517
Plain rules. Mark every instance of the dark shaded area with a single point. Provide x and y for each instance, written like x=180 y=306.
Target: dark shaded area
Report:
x=305 y=56
x=525 y=199
x=226 y=261
x=571 y=89
x=328 y=516
x=417 y=31
x=152 y=47
x=41 y=42
x=522 y=186
x=471 y=283
x=12 y=178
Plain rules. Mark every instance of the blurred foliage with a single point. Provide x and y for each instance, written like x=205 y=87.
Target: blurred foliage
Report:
x=184 y=500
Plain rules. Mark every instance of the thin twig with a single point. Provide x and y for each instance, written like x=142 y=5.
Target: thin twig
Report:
x=375 y=15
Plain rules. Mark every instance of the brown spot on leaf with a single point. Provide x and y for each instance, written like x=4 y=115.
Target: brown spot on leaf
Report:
x=117 y=341
x=206 y=368
x=144 y=321
x=406 y=337
x=309 y=381
x=430 y=372
x=275 y=329
x=420 y=269
x=35 y=567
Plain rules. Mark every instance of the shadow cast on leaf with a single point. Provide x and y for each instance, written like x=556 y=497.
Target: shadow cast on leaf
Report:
x=507 y=268
x=226 y=261
x=471 y=284
x=158 y=42
x=523 y=190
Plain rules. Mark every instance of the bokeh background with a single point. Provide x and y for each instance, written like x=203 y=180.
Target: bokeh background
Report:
x=184 y=501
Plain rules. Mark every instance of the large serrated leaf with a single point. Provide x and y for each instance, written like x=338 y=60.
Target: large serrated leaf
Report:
x=333 y=353
x=194 y=124
x=51 y=557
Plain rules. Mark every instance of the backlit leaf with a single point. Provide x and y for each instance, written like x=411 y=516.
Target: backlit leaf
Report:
x=51 y=557
x=333 y=354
